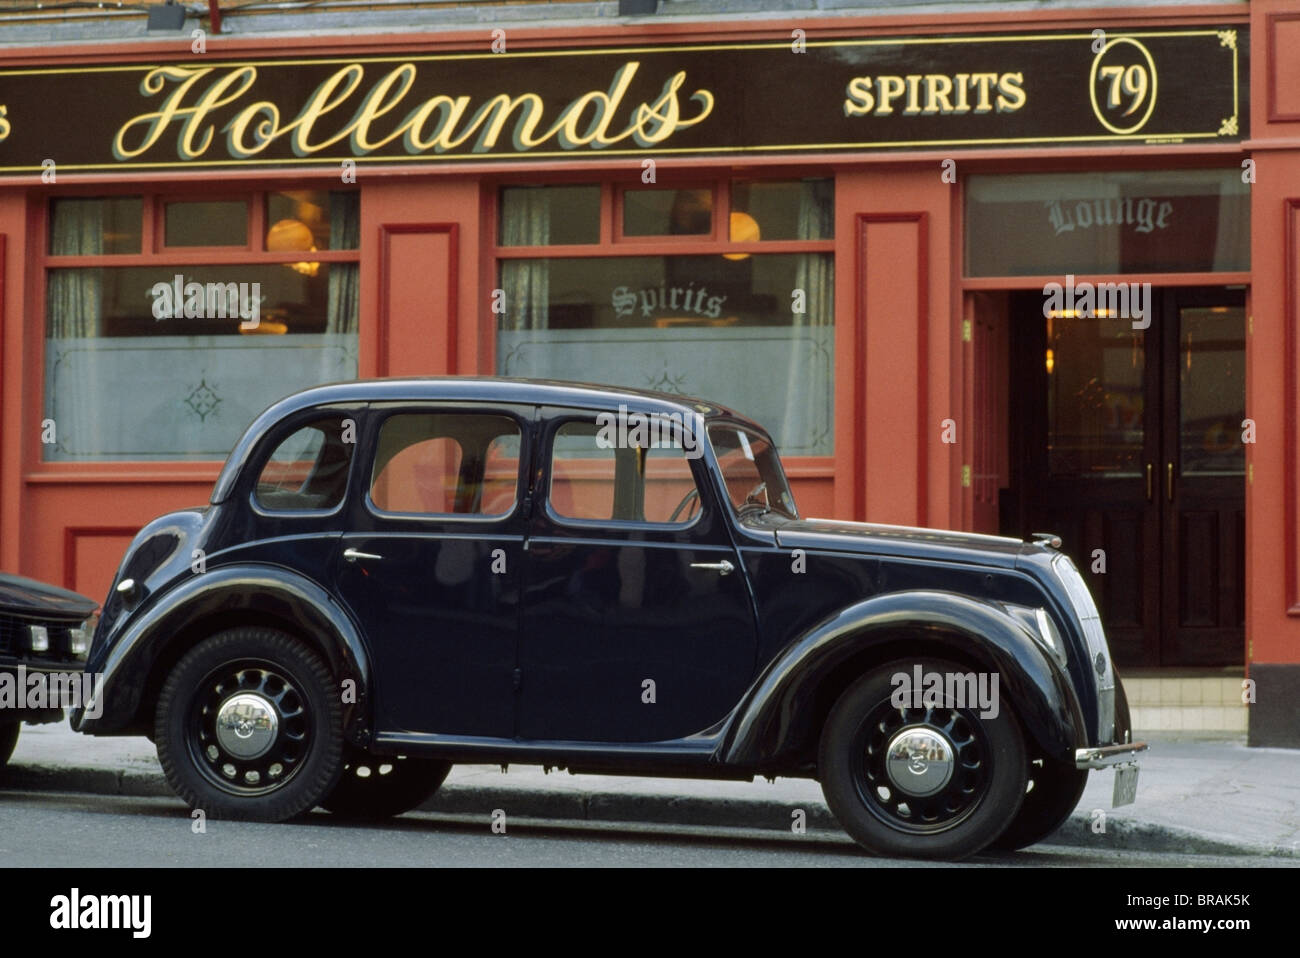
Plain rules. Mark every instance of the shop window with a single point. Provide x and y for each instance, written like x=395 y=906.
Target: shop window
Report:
x=667 y=212
x=97 y=226
x=150 y=360
x=549 y=215
x=740 y=320
x=446 y=464
x=206 y=223
x=1053 y=224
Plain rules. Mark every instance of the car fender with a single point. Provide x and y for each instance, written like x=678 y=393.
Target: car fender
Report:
x=256 y=593
x=779 y=710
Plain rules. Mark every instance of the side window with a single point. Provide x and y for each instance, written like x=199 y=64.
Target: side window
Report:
x=593 y=478
x=446 y=464
x=309 y=469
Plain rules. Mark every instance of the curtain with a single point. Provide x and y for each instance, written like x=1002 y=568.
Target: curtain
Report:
x=74 y=297
x=808 y=369
x=525 y=221
x=344 y=278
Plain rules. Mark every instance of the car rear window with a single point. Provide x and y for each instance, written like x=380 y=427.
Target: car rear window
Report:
x=309 y=469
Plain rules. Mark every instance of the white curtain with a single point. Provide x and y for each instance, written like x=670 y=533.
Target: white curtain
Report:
x=525 y=221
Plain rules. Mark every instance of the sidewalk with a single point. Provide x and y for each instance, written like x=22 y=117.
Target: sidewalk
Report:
x=1196 y=794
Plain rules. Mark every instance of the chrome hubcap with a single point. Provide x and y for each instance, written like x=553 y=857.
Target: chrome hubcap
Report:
x=246 y=725
x=919 y=761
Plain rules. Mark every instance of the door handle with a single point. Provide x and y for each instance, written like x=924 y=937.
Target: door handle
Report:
x=352 y=555
x=1169 y=480
x=724 y=567
x=1150 y=473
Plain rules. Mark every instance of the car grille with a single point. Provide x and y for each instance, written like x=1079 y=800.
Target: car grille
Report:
x=14 y=639
x=1095 y=638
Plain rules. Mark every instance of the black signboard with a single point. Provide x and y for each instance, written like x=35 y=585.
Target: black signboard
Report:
x=796 y=96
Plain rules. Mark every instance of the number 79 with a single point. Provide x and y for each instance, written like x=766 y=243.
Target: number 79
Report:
x=1132 y=80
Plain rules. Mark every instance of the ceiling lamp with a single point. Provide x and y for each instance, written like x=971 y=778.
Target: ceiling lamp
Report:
x=744 y=229
x=293 y=236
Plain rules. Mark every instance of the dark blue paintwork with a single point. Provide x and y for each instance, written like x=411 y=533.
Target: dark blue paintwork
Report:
x=543 y=657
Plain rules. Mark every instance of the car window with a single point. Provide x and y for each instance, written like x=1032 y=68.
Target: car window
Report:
x=446 y=464
x=593 y=478
x=309 y=469
x=751 y=470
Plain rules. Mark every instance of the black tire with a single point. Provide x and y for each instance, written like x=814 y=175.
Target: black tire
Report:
x=1057 y=788
x=969 y=810
x=8 y=739
x=299 y=727
x=374 y=787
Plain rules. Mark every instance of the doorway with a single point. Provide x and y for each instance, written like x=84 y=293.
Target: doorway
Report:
x=1129 y=444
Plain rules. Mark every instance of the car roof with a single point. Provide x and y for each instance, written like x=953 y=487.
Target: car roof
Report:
x=487 y=389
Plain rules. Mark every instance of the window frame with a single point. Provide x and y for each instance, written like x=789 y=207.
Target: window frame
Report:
x=381 y=416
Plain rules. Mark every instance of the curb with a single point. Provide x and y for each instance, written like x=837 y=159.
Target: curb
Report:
x=623 y=808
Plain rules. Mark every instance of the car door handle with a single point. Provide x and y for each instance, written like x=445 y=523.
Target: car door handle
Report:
x=725 y=567
x=352 y=555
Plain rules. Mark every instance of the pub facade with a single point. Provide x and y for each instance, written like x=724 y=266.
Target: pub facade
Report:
x=1010 y=273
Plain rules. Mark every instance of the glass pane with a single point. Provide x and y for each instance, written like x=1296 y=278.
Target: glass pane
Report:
x=592 y=477
x=95 y=226
x=437 y=464
x=222 y=223
x=308 y=470
x=549 y=215
x=307 y=220
x=706 y=326
x=1094 y=397
x=667 y=212
x=783 y=210
x=170 y=362
x=1126 y=222
x=1212 y=390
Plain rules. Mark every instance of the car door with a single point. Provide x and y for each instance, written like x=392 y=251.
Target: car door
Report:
x=637 y=624
x=432 y=563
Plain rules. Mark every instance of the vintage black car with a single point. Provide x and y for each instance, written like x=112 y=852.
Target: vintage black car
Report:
x=44 y=637
x=393 y=576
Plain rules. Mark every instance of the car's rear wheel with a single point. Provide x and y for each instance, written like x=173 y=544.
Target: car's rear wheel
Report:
x=249 y=726
x=931 y=782
x=1057 y=788
x=8 y=739
x=375 y=787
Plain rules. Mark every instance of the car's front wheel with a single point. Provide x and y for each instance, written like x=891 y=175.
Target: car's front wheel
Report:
x=377 y=787
x=8 y=739
x=935 y=781
x=249 y=726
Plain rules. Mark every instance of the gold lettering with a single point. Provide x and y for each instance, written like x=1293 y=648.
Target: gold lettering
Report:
x=1011 y=92
x=938 y=89
x=913 y=95
x=374 y=107
x=171 y=109
x=888 y=89
x=212 y=100
x=983 y=81
x=320 y=104
x=860 y=100
x=664 y=114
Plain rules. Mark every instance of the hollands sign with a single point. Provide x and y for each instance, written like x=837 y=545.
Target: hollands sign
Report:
x=836 y=95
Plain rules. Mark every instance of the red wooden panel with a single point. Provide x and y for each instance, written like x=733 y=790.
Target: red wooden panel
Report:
x=417 y=304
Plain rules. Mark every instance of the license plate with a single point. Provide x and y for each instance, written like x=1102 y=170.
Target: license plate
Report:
x=1126 y=786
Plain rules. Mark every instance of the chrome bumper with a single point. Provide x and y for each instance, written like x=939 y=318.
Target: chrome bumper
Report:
x=1107 y=755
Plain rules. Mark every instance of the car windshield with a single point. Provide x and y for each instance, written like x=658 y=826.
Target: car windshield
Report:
x=751 y=470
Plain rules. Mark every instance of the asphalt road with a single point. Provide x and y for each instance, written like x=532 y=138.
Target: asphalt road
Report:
x=73 y=830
